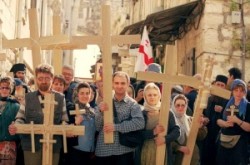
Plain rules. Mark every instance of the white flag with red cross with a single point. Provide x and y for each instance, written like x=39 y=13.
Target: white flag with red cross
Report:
x=145 y=55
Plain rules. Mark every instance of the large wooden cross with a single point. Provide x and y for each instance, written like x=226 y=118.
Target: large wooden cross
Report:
x=36 y=42
x=105 y=41
x=170 y=77
x=205 y=89
x=48 y=130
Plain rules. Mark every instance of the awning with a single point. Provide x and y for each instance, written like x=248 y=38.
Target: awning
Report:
x=169 y=25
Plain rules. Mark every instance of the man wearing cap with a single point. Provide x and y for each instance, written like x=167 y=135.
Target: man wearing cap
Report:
x=139 y=86
x=19 y=71
x=213 y=112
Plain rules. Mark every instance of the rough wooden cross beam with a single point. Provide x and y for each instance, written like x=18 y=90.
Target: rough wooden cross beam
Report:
x=170 y=77
x=169 y=70
x=200 y=105
x=48 y=129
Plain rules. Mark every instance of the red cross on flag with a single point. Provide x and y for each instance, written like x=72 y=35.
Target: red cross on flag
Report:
x=145 y=55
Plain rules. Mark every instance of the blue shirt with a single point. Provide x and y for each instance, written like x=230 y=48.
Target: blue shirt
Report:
x=86 y=142
x=125 y=108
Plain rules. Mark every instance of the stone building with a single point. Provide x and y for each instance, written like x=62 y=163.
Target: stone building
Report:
x=221 y=31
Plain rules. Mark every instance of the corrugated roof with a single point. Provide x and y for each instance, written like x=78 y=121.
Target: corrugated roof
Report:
x=169 y=25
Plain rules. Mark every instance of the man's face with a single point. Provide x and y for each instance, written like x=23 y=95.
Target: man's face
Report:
x=20 y=74
x=68 y=75
x=120 y=85
x=220 y=84
x=44 y=81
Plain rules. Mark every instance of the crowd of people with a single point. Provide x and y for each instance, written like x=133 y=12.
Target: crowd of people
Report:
x=223 y=136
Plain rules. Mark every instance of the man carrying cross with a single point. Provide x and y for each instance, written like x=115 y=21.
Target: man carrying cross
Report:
x=129 y=118
x=32 y=111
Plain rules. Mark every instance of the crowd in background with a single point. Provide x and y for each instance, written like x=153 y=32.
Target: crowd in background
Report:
x=223 y=136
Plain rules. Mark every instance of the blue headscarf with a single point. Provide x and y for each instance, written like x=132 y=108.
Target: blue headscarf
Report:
x=243 y=102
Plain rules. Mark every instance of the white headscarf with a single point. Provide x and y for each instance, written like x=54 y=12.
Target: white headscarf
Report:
x=148 y=107
x=182 y=120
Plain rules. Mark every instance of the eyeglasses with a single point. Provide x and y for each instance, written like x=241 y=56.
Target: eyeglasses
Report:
x=44 y=78
x=180 y=105
x=7 y=88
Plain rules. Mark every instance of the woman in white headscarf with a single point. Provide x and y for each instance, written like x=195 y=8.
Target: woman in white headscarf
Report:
x=179 y=107
x=152 y=104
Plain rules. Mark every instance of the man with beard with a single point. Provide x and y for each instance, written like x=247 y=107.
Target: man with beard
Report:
x=32 y=111
x=214 y=111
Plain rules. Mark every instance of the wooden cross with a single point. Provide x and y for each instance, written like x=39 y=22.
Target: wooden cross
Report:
x=77 y=111
x=170 y=77
x=48 y=129
x=105 y=41
x=35 y=42
x=232 y=110
x=200 y=105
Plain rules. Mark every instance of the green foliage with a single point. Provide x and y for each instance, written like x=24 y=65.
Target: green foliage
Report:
x=234 y=6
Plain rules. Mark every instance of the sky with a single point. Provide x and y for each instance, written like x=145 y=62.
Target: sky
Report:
x=83 y=59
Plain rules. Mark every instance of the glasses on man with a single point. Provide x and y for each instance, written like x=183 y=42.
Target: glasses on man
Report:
x=6 y=88
x=44 y=78
x=180 y=105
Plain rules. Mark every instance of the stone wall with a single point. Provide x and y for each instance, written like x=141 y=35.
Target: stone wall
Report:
x=216 y=37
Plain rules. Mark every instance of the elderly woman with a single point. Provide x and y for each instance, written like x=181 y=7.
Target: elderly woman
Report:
x=235 y=125
x=179 y=107
x=152 y=104
x=8 y=111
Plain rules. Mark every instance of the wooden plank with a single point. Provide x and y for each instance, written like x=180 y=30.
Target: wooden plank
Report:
x=173 y=79
x=57 y=54
x=126 y=39
x=17 y=43
x=169 y=63
x=107 y=71
x=3 y=57
x=34 y=35
x=220 y=92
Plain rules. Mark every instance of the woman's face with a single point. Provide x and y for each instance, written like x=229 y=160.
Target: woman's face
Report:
x=84 y=95
x=4 y=89
x=238 y=93
x=180 y=106
x=152 y=96
x=58 y=86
